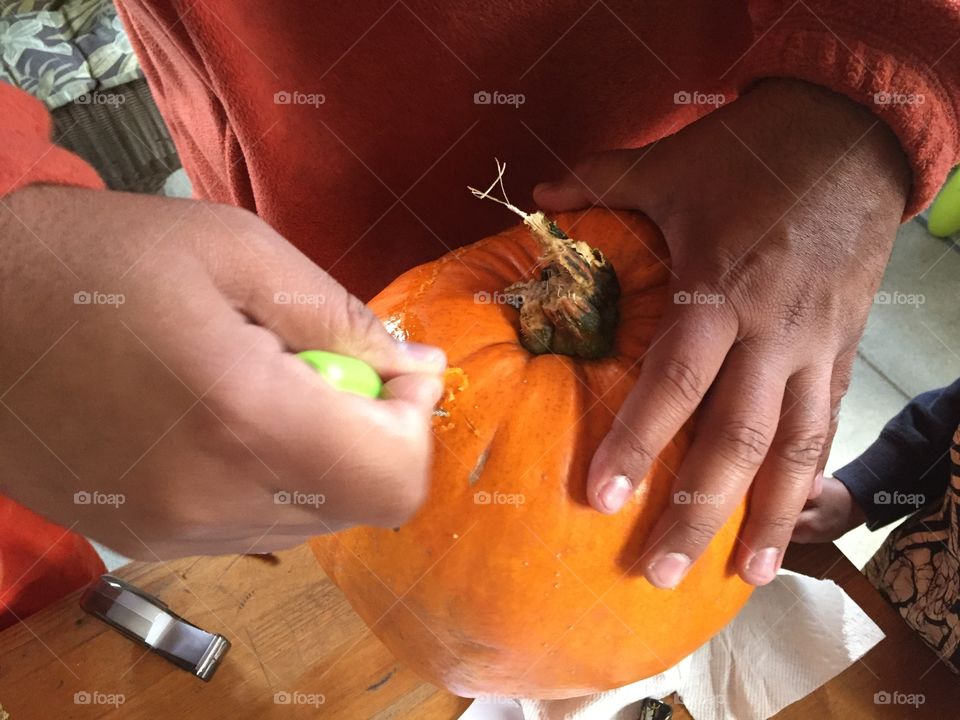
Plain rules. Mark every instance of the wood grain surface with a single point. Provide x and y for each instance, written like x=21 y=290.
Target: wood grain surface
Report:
x=296 y=638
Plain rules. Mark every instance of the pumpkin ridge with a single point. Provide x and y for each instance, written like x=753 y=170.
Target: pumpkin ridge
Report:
x=473 y=354
x=520 y=268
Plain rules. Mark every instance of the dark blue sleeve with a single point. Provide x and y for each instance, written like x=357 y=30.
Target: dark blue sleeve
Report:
x=909 y=464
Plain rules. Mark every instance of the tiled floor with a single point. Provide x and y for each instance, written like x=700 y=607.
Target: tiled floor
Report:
x=911 y=345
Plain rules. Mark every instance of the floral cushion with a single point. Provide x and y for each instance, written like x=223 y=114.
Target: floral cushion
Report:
x=60 y=50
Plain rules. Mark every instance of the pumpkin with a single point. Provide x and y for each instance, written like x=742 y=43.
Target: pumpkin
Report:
x=506 y=581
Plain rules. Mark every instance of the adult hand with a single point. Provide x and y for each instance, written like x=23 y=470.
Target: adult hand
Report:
x=780 y=210
x=150 y=397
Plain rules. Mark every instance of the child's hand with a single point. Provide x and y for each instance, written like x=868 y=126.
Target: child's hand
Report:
x=828 y=515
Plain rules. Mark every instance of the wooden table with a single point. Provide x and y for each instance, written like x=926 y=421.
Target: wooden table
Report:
x=293 y=632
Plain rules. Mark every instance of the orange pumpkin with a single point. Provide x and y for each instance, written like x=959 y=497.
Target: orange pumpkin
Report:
x=506 y=581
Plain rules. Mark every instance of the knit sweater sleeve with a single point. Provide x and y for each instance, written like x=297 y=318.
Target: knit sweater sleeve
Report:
x=27 y=153
x=899 y=58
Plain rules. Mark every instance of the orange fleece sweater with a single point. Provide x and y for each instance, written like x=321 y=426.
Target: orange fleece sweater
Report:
x=378 y=169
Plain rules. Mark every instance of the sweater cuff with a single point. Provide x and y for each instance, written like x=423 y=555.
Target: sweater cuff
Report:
x=874 y=480
x=909 y=98
x=27 y=156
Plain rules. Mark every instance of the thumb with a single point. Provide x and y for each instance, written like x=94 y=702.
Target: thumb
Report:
x=281 y=289
x=422 y=391
x=342 y=323
x=614 y=179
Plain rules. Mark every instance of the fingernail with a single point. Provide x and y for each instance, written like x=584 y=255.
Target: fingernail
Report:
x=763 y=566
x=426 y=354
x=614 y=493
x=667 y=571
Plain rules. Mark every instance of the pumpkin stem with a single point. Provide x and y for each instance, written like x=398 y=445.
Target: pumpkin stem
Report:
x=572 y=308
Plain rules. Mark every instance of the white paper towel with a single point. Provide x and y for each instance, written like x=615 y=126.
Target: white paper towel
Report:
x=792 y=636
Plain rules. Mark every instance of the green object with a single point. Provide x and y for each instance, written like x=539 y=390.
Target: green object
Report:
x=944 y=218
x=344 y=373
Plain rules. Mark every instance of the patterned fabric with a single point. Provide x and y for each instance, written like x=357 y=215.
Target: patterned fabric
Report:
x=60 y=50
x=917 y=569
